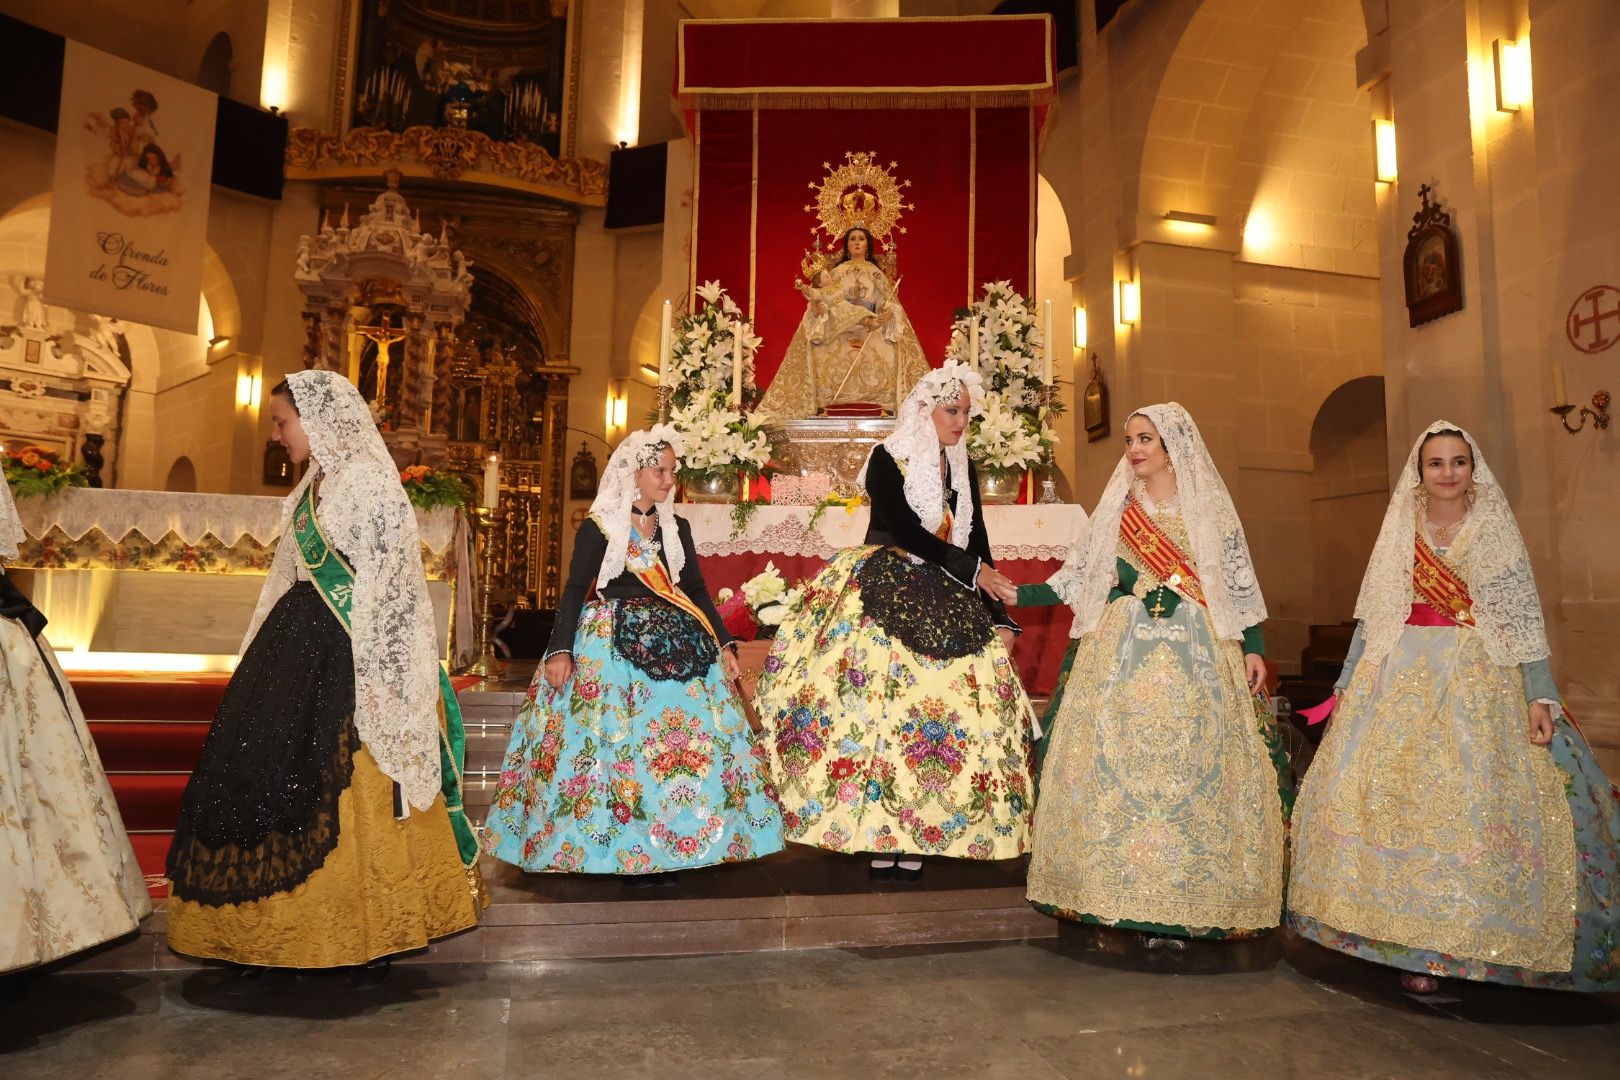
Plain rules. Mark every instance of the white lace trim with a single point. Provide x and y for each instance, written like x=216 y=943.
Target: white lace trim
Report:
x=1220 y=550
x=365 y=513
x=1488 y=553
x=11 y=528
x=914 y=446
x=611 y=507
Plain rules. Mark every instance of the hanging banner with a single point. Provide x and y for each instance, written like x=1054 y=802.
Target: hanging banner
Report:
x=129 y=202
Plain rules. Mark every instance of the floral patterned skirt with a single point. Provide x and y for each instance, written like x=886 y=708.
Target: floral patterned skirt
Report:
x=881 y=747
x=626 y=772
x=1433 y=837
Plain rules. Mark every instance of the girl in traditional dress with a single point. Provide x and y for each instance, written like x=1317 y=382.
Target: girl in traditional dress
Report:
x=1454 y=822
x=323 y=824
x=631 y=755
x=68 y=877
x=1163 y=793
x=899 y=723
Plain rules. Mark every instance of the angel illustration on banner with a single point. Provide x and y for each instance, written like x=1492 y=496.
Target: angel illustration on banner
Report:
x=136 y=176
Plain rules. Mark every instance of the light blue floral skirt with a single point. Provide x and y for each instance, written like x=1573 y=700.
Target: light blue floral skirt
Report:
x=620 y=772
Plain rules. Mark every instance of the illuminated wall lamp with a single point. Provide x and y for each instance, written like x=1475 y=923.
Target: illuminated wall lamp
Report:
x=1129 y=303
x=1080 y=329
x=1512 y=60
x=248 y=391
x=1384 y=151
x=1188 y=223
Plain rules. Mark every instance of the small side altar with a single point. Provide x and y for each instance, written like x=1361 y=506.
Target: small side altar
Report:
x=1028 y=543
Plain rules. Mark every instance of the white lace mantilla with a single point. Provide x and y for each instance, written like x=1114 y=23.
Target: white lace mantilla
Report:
x=155 y=514
x=1488 y=553
x=1016 y=532
x=618 y=490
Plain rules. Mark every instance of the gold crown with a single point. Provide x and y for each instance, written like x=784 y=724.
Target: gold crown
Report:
x=860 y=193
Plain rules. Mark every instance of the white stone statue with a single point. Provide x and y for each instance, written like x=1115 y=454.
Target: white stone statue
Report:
x=33 y=304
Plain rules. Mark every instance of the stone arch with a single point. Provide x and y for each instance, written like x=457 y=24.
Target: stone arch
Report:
x=214 y=71
x=1349 y=491
x=182 y=475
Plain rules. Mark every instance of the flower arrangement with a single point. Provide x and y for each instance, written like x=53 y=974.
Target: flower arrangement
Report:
x=429 y=488
x=1001 y=337
x=34 y=470
x=850 y=503
x=720 y=438
x=758 y=607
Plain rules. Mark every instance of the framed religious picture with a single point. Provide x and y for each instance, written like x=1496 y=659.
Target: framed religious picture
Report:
x=1433 y=270
x=582 y=476
x=1094 y=404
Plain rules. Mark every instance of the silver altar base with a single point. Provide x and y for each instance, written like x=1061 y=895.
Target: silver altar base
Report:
x=834 y=446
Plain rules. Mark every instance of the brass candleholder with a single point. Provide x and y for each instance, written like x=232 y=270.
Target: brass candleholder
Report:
x=487 y=664
x=1598 y=413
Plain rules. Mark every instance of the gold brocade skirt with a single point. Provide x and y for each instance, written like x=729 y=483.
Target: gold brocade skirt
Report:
x=390 y=886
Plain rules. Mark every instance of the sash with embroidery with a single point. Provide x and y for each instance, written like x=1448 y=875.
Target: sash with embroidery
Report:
x=333 y=578
x=1438 y=585
x=1159 y=553
x=656 y=577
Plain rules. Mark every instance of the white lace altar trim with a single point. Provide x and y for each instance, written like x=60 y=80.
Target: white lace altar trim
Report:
x=1220 y=551
x=366 y=515
x=1488 y=553
x=1016 y=532
x=155 y=514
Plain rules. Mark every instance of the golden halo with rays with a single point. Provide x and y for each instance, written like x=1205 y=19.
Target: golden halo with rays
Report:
x=860 y=192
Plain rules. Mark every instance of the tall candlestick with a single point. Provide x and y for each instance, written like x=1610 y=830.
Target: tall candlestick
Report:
x=737 y=331
x=973 y=342
x=492 y=481
x=664 y=329
x=1046 y=341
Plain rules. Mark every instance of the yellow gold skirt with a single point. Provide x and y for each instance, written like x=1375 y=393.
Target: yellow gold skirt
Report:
x=390 y=886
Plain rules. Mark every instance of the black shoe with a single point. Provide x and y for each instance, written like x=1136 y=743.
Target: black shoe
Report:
x=907 y=874
x=250 y=981
x=370 y=976
x=880 y=874
x=662 y=879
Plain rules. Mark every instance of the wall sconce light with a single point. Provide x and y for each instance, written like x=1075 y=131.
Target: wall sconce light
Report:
x=1129 y=303
x=1080 y=329
x=616 y=410
x=1512 y=61
x=220 y=343
x=248 y=390
x=1598 y=413
x=650 y=371
x=273 y=88
x=1188 y=223
x=1384 y=151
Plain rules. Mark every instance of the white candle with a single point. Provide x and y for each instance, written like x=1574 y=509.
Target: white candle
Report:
x=1046 y=342
x=1560 y=392
x=492 y=481
x=973 y=342
x=738 y=329
x=664 y=330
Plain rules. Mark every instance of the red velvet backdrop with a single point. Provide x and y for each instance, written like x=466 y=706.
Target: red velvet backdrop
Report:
x=764 y=134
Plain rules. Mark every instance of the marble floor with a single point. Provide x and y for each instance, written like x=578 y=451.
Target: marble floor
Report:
x=1077 y=1006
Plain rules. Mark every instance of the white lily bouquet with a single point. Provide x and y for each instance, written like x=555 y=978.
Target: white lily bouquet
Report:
x=1000 y=337
x=710 y=371
x=769 y=596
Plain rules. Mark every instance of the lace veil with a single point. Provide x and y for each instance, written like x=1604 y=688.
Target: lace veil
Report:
x=611 y=507
x=914 y=445
x=11 y=530
x=1220 y=551
x=365 y=513
x=1488 y=553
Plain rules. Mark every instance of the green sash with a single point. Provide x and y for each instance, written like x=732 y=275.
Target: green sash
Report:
x=334 y=580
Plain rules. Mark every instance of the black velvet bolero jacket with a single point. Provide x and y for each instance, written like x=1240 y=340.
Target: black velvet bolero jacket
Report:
x=590 y=544
x=895 y=523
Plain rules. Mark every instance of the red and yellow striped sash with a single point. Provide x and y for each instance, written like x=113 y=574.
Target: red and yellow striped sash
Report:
x=658 y=580
x=1438 y=585
x=1159 y=553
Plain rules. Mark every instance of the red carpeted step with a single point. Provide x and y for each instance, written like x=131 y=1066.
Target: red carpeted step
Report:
x=106 y=697
x=148 y=746
x=149 y=801
x=152 y=852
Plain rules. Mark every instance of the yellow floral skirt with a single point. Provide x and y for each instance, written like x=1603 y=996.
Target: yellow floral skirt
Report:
x=389 y=886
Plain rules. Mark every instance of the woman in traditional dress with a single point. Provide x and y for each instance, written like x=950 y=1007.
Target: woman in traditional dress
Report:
x=632 y=755
x=1454 y=822
x=323 y=824
x=1164 y=793
x=854 y=346
x=899 y=723
x=68 y=877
